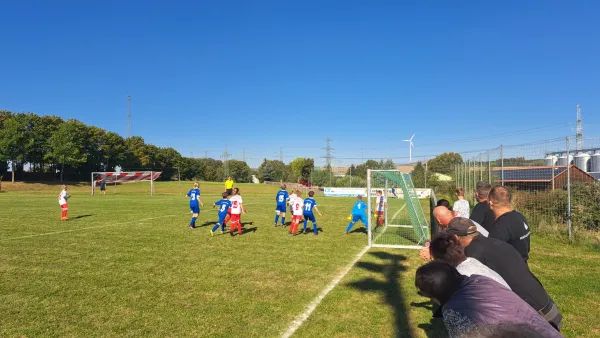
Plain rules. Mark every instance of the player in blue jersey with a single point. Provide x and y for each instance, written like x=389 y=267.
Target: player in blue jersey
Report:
x=224 y=206
x=281 y=198
x=394 y=189
x=309 y=205
x=359 y=213
x=195 y=202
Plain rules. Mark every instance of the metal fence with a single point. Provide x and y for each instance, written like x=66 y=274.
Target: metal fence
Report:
x=541 y=175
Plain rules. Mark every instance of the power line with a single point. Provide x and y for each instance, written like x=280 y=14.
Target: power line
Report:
x=128 y=115
x=328 y=149
x=226 y=155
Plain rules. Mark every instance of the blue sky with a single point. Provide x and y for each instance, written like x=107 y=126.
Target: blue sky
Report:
x=261 y=75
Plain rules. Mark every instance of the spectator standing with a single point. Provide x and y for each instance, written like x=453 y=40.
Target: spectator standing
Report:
x=461 y=206
x=508 y=263
x=471 y=303
x=510 y=225
x=229 y=186
x=481 y=212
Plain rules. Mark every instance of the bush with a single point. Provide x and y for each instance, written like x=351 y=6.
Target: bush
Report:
x=348 y=181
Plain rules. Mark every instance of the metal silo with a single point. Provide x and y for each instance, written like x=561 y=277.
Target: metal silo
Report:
x=595 y=162
x=550 y=160
x=562 y=160
x=581 y=161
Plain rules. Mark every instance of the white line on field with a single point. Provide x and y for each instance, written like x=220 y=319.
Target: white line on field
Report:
x=313 y=305
x=397 y=212
x=88 y=228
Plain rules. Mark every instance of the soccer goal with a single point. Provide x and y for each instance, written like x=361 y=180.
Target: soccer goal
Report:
x=111 y=177
x=403 y=223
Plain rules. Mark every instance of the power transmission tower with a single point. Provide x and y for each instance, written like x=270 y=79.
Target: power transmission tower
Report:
x=226 y=155
x=128 y=115
x=205 y=154
x=579 y=134
x=328 y=149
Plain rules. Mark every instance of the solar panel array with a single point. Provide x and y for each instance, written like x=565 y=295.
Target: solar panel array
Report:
x=529 y=174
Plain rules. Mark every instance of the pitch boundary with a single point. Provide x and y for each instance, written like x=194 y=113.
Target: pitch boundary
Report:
x=300 y=319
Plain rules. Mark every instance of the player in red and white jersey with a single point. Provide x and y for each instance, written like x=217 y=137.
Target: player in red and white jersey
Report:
x=62 y=201
x=237 y=208
x=297 y=212
x=381 y=203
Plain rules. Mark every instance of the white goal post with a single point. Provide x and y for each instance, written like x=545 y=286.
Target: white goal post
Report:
x=125 y=177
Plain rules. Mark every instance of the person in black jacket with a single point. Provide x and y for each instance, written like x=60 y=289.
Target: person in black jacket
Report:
x=508 y=263
x=481 y=212
x=510 y=226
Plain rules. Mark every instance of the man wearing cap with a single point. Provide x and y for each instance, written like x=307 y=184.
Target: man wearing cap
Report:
x=481 y=213
x=510 y=225
x=508 y=263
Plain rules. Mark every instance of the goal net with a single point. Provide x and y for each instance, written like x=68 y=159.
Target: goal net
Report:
x=111 y=177
x=403 y=223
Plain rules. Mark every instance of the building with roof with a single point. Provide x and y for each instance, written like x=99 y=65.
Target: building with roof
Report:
x=540 y=178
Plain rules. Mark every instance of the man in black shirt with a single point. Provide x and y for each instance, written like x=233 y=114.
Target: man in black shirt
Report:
x=481 y=212
x=510 y=226
x=506 y=261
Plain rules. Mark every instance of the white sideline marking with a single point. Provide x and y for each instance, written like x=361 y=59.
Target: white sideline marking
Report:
x=313 y=305
x=397 y=212
x=88 y=228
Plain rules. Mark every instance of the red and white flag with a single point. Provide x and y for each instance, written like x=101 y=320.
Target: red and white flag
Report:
x=125 y=177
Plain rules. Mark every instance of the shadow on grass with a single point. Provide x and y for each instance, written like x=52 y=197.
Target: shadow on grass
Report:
x=390 y=288
x=359 y=230
x=82 y=216
x=247 y=230
x=435 y=328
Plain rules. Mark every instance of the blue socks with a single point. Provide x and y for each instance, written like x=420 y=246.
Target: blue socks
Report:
x=315 y=229
x=193 y=222
x=276 y=218
x=215 y=227
x=305 y=223
x=282 y=220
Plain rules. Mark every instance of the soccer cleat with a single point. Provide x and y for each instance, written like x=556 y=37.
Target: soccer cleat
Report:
x=276 y=225
x=192 y=226
x=212 y=233
x=304 y=232
x=346 y=232
x=316 y=234
x=231 y=233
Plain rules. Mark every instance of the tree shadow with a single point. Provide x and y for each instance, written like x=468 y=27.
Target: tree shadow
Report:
x=435 y=328
x=390 y=288
x=82 y=216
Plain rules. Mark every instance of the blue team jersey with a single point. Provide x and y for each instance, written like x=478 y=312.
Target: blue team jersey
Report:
x=282 y=196
x=359 y=207
x=194 y=195
x=309 y=204
x=224 y=206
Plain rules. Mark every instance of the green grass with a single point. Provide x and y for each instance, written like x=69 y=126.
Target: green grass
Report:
x=130 y=266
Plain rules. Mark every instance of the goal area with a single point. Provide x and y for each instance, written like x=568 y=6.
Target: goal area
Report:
x=112 y=177
x=403 y=223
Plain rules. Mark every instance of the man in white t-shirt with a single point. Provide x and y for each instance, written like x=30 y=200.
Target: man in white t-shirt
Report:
x=62 y=201
x=381 y=203
x=237 y=207
x=297 y=212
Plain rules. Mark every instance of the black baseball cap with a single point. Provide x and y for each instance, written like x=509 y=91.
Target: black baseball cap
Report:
x=461 y=226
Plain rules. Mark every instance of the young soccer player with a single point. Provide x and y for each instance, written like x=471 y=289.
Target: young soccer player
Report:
x=62 y=201
x=194 y=196
x=297 y=212
x=281 y=199
x=309 y=205
x=359 y=212
x=381 y=203
x=394 y=191
x=237 y=207
x=291 y=199
x=103 y=186
x=224 y=207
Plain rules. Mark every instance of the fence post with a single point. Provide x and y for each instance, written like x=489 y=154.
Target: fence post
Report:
x=425 y=175
x=502 y=162
x=369 y=230
x=489 y=168
x=481 y=167
x=568 y=190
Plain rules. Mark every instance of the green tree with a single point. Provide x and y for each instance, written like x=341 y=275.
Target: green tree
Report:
x=238 y=170
x=67 y=145
x=278 y=171
x=322 y=177
x=114 y=151
x=444 y=163
x=301 y=167
x=13 y=139
x=361 y=169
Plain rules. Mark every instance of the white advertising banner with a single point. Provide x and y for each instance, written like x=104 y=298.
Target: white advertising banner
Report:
x=397 y=192
x=344 y=192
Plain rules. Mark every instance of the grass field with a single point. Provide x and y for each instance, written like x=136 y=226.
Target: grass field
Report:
x=126 y=264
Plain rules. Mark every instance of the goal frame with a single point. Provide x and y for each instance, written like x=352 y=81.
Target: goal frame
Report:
x=151 y=180
x=371 y=241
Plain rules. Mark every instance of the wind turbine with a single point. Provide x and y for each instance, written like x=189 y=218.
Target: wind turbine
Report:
x=410 y=146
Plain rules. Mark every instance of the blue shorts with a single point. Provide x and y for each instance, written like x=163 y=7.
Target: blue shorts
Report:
x=310 y=217
x=280 y=207
x=362 y=217
x=195 y=210
x=222 y=218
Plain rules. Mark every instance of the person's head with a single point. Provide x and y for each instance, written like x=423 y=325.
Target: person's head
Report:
x=64 y=187
x=236 y=191
x=460 y=192
x=438 y=281
x=482 y=190
x=444 y=203
x=359 y=198
x=283 y=187
x=443 y=216
x=464 y=229
x=293 y=190
x=225 y=195
x=311 y=193
x=447 y=247
x=379 y=193
x=299 y=193
x=229 y=178
x=196 y=185
x=499 y=200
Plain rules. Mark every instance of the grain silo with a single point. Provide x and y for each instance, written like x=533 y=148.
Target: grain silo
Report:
x=550 y=160
x=562 y=160
x=582 y=160
x=595 y=162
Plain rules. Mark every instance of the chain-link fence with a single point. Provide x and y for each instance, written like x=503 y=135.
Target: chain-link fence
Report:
x=553 y=183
